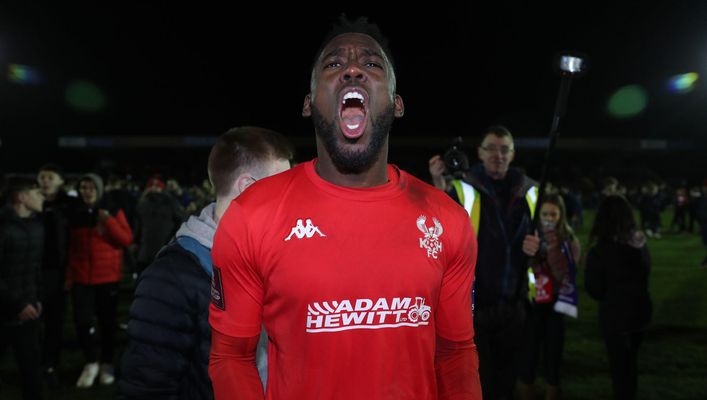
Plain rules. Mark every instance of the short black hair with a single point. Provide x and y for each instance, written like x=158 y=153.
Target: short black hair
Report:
x=16 y=185
x=499 y=131
x=241 y=148
x=52 y=168
x=359 y=25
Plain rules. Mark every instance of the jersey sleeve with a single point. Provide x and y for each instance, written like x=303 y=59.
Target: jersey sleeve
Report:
x=236 y=283
x=454 y=313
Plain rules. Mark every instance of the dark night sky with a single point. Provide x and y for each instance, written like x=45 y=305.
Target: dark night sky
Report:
x=199 y=69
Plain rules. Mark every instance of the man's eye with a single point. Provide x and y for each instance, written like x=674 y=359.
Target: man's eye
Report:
x=374 y=65
x=333 y=64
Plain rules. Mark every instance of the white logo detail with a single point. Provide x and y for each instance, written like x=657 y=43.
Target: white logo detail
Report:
x=344 y=315
x=430 y=241
x=300 y=230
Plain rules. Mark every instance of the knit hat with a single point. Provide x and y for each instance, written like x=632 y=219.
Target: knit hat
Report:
x=96 y=180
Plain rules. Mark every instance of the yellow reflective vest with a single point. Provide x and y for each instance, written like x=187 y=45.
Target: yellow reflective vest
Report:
x=470 y=198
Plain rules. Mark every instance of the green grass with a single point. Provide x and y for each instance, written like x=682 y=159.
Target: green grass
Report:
x=671 y=360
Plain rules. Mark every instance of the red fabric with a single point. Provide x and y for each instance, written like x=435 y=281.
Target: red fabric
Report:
x=457 y=370
x=96 y=254
x=352 y=285
x=155 y=182
x=232 y=367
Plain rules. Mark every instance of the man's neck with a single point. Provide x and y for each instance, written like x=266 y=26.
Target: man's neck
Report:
x=376 y=175
x=496 y=176
x=220 y=209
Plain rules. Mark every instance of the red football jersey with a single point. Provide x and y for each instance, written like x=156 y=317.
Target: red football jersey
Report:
x=352 y=285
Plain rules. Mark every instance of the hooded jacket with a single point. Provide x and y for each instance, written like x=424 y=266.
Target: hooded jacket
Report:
x=169 y=317
x=170 y=337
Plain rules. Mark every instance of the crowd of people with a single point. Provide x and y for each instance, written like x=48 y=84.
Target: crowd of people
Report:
x=319 y=281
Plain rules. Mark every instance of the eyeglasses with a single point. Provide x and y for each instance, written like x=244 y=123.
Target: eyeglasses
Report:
x=503 y=149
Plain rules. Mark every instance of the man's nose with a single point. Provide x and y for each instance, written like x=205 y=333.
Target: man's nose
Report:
x=353 y=73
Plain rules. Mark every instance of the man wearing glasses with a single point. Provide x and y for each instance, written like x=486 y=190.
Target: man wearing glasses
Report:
x=500 y=201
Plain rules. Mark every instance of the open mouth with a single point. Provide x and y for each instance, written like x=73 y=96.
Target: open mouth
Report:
x=353 y=113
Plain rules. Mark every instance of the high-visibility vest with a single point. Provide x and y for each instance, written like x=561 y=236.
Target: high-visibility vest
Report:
x=471 y=200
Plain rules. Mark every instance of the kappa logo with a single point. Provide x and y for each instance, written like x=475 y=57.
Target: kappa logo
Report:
x=382 y=313
x=430 y=241
x=301 y=230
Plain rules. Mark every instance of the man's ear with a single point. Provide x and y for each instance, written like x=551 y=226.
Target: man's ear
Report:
x=242 y=183
x=307 y=107
x=399 y=106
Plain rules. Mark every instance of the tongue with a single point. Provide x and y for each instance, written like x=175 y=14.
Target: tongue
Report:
x=352 y=122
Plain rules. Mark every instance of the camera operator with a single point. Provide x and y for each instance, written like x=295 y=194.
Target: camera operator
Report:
x=501 y=203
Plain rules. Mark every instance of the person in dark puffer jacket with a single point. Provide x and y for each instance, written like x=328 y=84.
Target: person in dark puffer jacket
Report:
x=97 y=238
x=170 y=337
x=21 y=244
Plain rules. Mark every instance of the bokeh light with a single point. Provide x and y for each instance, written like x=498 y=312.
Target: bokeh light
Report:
x=683 y=83
x=23 y=75
x=628 y=101
x=85 y=96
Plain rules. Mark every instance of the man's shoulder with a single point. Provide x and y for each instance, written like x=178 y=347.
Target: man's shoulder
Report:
x=173 y=260
x=270 y=189
x=420 y=189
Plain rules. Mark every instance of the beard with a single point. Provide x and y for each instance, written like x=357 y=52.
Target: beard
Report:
x=349 y=161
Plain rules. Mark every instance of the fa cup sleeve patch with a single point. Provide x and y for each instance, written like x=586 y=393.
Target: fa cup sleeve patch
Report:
x=217 y=290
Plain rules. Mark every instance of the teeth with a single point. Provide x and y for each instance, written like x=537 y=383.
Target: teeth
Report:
x=353 y=95
x=352 y=126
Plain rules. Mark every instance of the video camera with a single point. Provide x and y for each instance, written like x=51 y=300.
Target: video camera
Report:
x=456 y=161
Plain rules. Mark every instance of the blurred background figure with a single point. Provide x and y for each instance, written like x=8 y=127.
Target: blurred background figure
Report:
x=617 y=270
x=21 y=246
x=681 y=205
x=555 y=270
x=649 y=206
x=702 y=217
x=97 y=237
x=56 y=235
x=157 y=217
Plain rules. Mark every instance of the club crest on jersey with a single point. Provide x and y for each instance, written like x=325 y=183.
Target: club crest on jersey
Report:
x=430 y=240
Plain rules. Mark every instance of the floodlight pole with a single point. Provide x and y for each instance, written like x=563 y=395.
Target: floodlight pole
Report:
x=569 y=67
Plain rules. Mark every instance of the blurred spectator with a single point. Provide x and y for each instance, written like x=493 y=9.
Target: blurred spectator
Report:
x=617 y=270
x=694 y=204
x=650 y=207
x=680 y=209
x=554 y=270
x=56 y=236
x=175 y=190
x=702 y=216
x=21 y=245
x=158 y=216
x=97 y=237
